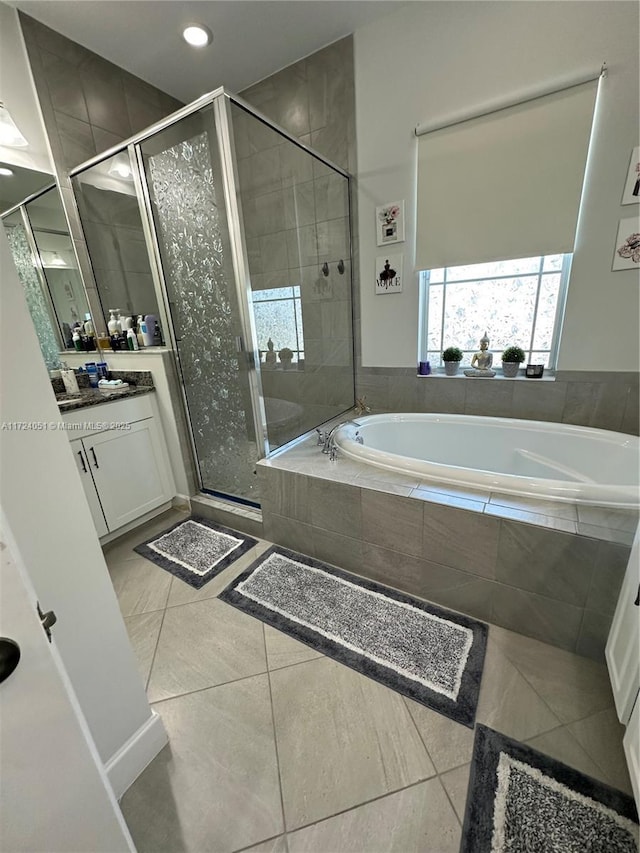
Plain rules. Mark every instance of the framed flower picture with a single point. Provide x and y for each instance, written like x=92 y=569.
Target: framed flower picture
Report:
x=631 y=194
x=627 y=252
x=390 y=223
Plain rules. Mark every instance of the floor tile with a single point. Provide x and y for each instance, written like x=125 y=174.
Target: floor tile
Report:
x=122 y=548
x=508 y=703
x=415 y=820
x=448 y=743
x=562 y=745
x=572 y=686
x=343 y=739
x=283 y=650
x=183 y=593
x=601 y=737
x=143 y=630
x=204 y=644
x=456 y=783
x=274 y=845
x=215 y=786
x=140 y=586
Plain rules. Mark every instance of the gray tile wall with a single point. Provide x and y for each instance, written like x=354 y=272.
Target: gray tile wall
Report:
x=557 y=587
x=602 y=400
x=88 y=105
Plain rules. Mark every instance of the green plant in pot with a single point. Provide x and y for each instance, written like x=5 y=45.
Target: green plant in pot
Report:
x=285 y=357
x=512 y=358
x=452 y=357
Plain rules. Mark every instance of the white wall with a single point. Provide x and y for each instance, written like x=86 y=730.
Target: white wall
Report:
x=44 y=502
x=428 y=60
x=18 y=94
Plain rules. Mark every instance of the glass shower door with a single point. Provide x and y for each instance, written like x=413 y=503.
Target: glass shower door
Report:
x=183 y=170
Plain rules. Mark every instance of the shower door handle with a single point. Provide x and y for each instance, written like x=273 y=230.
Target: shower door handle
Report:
x=173 y=316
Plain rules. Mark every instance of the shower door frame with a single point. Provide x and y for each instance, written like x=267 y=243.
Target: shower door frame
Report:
x=221 y=101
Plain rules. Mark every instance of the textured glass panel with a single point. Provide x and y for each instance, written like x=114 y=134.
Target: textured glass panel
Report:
x=276 y=320
x=186 y=189
x=36 y=300
x=435 y=317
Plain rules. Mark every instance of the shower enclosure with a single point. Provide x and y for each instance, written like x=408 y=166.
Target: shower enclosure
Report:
x=237 y=237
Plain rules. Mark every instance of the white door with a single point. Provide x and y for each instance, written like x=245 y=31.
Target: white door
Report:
x=623 y=645
x=631 y=743
x=128 y=471
x=88 y=485
x=55 y=793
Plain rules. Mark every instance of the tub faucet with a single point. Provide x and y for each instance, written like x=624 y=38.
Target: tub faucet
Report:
x=329 y=444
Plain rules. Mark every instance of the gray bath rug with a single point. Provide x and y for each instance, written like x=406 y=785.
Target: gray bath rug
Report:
x=427 y=653
x=195 y=550
x=522 y=801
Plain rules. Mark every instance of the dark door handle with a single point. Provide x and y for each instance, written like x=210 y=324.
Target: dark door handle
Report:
x=84 y=467
x=48 y=620
x=93 y=453
x=637 y=601
x=9 y=657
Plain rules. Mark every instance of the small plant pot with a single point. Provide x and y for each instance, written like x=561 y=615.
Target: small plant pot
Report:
x=451 y=367
x=510 y=369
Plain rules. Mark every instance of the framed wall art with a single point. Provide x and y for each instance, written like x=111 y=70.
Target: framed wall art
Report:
x=627 y=251
x=631 y=194
x=390 y=223
x=389 y=274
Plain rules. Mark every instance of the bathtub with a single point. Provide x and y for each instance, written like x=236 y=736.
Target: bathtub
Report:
x=532 y=458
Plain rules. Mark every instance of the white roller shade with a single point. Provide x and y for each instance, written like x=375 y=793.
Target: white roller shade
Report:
x=504 y=185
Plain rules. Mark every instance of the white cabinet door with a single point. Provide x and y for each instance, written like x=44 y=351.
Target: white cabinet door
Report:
x=129 y=471
x=89 y=486
x=623 y=645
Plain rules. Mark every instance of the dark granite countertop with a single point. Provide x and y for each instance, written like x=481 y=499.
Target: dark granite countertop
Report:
x=94 y=397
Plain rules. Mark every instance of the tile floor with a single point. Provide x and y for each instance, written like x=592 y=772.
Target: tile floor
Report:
x=276 y=748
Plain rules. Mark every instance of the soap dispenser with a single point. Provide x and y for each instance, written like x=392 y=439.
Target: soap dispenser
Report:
x=112 y=325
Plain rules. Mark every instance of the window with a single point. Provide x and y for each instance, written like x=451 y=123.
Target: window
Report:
x=278 y=315
x=517 y=302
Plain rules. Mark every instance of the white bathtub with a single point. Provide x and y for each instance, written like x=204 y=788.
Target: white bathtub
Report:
x=534 y=458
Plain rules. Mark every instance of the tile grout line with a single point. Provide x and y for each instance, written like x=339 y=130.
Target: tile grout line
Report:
x=438 y=774
x=209 y=687
x=155 y=651
x=275 y=739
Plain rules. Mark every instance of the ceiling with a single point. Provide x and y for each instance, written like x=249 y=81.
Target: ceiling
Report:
x=251 y=38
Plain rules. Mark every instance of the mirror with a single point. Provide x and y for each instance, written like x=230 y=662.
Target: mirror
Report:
x=43 y=253
x=59 y=266
x=112 y=224
x=20 y=184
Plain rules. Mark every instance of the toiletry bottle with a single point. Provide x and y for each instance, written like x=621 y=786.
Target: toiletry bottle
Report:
x=157 y=335
x=69 y=379
x=139 y=330
x=77 y=340
x=132 y=340
x=148 y=327
x=88 y=326
x=112 y=324
x=119 y=320
x=92 y=370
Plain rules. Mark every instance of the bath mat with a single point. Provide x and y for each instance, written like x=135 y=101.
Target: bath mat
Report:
x=521 y=801
x=421 y=650
x=195 y=550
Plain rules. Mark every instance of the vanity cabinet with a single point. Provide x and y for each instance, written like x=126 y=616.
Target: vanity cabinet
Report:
x=125 y=471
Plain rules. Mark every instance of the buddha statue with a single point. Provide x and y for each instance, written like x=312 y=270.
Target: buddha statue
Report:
x=481 y=362
x=270 y=356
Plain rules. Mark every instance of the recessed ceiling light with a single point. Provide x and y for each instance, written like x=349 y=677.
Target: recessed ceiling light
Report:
x=197 y=35
x=5 y=171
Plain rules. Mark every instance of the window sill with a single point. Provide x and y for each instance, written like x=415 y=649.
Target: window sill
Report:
x=549 y=376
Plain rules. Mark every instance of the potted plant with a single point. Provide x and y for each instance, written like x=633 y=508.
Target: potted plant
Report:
x=512 y=358
x=452 y=357
x=285 y=357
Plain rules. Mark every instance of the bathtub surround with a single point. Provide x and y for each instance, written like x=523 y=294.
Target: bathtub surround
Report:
x=519 y=798
x=195 y=550
x=600 y=399
x=428 y=654
x=547 y=572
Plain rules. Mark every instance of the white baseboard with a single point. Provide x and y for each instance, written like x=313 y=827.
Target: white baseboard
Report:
x=130 y=760
x=181 y=502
